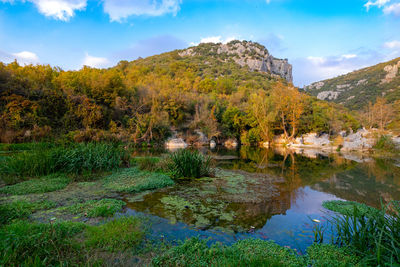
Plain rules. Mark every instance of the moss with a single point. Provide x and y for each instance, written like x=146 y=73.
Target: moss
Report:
x=97 y=208
x=133 y=180
x=117 y=235
x=45 y=184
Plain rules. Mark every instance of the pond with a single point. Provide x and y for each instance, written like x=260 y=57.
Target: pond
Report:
x=266 y=194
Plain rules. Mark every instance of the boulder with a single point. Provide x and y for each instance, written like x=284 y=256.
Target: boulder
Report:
x=361 y=140
x=231 y=143
x=313 y=140
x=213 y=144
x=174 y=143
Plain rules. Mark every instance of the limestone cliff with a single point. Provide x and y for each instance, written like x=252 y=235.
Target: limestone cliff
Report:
x=246 y=54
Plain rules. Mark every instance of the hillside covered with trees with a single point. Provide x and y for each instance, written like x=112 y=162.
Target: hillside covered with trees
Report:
x=143 y=100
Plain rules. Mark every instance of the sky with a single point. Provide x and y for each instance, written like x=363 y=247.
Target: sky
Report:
x=320 y=38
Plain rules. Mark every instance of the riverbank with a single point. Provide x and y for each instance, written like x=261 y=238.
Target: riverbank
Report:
x=82 y=218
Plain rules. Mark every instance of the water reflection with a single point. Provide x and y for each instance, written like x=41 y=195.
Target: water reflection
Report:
x=271 y=193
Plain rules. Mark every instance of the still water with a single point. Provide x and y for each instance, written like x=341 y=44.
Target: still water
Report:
x=266 y=194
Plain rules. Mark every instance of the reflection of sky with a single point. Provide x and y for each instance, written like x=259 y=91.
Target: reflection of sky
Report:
x=294 y=229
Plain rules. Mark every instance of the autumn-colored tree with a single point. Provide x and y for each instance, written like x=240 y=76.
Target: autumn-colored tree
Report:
x=264 y=112
x=289 y=104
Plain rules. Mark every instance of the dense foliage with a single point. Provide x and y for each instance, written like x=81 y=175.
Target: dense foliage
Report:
x=189 y=164
x=141 y=101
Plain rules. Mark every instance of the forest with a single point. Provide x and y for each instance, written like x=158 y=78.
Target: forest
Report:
x=143 y=100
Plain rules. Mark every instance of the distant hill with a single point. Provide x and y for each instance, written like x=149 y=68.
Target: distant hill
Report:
x=354 y=90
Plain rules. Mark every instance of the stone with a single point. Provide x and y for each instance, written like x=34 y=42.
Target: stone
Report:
x=175 y=143
x=231 y=143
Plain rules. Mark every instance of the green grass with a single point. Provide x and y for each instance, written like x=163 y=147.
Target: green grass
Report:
x=76 y=159
x=374 y=234
x=117 y=235
x=34 y=244
x=189 y=164
x=97 y=208
x=133 y=180
x=251 y=252
x=328 y=255
x=21 y=209
x=147 y=163
x=24 y=146
x=347 y=207
x=45 y=184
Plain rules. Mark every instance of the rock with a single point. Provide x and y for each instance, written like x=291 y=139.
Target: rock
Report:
x=313 y=140
x=252 y=55
x=361 y=140
x=328 y=95
x=175 y=143
x=213 y=144
x=231 y=143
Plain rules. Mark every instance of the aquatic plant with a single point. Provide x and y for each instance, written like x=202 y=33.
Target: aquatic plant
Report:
x=97 y=208
x=133 y=180
x=373 y=233
x=117 y=235
x=189 y=164
x=45 y=184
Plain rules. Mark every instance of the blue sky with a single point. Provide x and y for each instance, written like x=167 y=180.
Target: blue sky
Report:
x=322 y=39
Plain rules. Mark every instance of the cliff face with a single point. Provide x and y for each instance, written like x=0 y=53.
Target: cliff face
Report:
x=356 y=89
x=246 y=54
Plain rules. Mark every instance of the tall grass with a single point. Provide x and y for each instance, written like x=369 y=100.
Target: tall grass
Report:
x=76 y=159
x=189 y=164
x=373 y=233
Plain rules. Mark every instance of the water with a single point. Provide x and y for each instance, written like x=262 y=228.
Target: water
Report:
x=266 y=194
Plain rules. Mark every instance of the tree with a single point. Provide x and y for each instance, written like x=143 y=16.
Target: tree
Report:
x=289 y=104
x=263 y=111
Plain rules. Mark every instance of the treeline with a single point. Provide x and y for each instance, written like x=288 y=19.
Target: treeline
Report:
x=141 y=101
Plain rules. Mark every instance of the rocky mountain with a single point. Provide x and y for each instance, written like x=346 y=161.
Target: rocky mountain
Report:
x=244 y=53
x=356 y=89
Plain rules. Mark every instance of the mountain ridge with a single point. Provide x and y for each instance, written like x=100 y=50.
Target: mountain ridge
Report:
x=356 y=89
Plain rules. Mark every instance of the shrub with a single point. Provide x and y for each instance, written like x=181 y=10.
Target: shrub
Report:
x=374 y=234
x=26 y=244
x=21 y=209
x=133 y=180
x=97 y=208
x=45 y=184
x=189 y=164
x=117 y=235
x=385 y=143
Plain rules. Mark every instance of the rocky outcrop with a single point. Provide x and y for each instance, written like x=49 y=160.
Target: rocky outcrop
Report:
x=253 y=55
x=391 y=72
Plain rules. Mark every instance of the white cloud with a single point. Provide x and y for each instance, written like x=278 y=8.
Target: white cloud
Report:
x=95 y=62
x=23 y=57
x=26 y=57
x=122 y=9
x=388 y=8
x=392 y=45
x=215 y=40
x=378 y=3
x=392 y=9
x=57 y=9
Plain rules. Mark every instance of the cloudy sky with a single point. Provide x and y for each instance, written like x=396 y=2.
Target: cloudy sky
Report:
x=322 y=39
